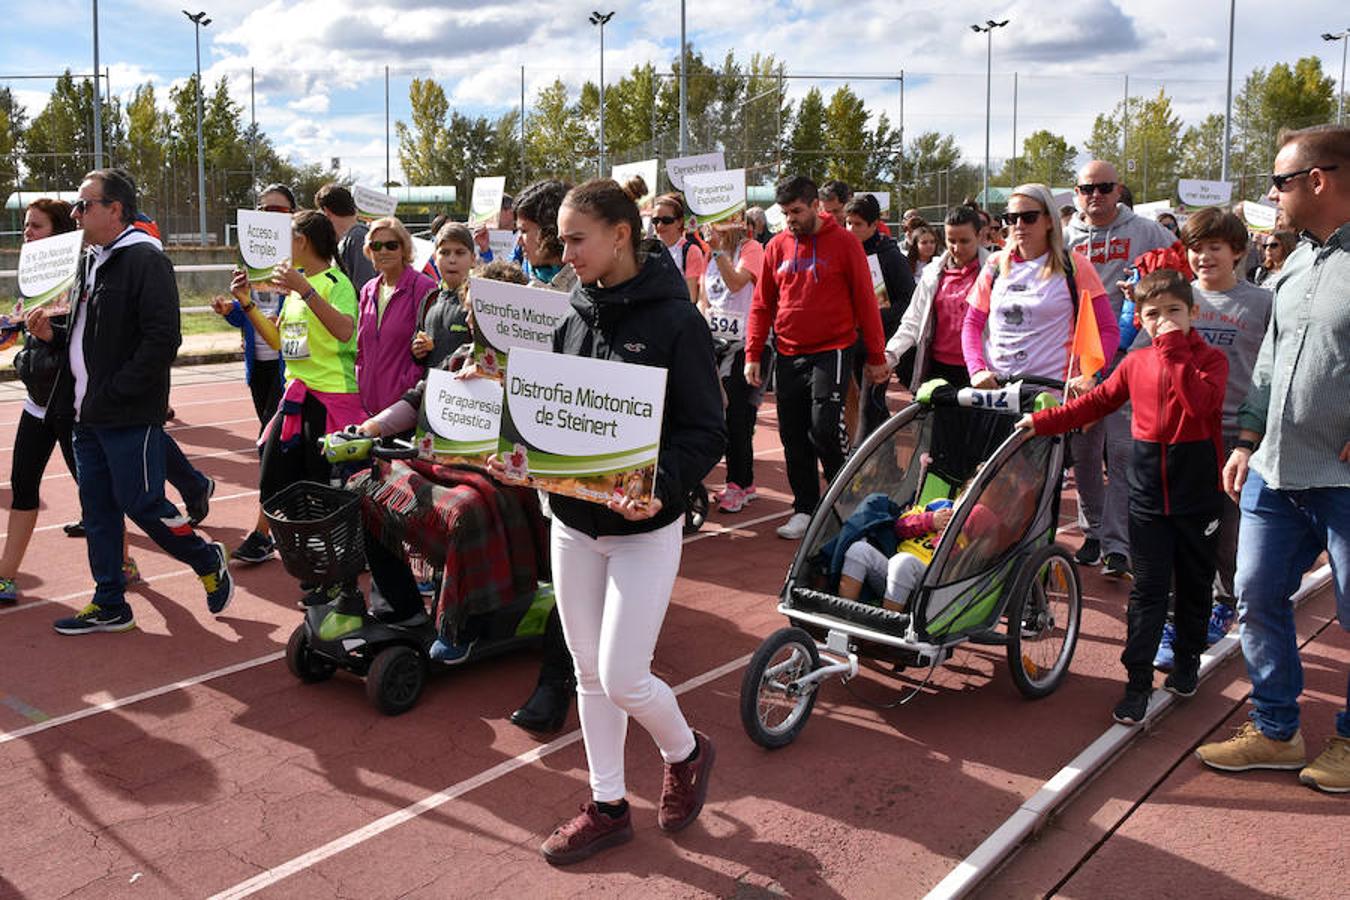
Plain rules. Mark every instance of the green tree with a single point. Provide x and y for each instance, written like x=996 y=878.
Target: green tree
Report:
x=806 y=144
x=11 y=133
x=144 y=154
x=1152 y=144
x=58 y=145
x=883 y=159
x=845 y=136
x=1046 y=158
x=1202 y=149
x=1285 y=97
x=467 y=154
x=554 y=137
x=935 y=177
x=422 y=146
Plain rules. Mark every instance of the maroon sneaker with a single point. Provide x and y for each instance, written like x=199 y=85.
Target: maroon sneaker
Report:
x=586 y=835
x=686 y=787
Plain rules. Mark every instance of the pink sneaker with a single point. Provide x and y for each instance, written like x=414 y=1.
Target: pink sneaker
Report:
x=732 y=499
x=750 y=493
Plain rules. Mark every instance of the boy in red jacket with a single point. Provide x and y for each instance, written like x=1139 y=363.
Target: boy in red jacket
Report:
x=1177 y=388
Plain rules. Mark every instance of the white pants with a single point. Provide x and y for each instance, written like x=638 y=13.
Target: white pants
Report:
x=612 y=598
x=893 y=578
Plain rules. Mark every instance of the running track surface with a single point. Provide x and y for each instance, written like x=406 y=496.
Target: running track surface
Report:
x=225 y=776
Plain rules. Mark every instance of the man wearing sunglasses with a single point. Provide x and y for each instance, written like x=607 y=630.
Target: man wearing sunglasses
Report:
x=1112 y=237
x=1290 y=471
x=124 y=335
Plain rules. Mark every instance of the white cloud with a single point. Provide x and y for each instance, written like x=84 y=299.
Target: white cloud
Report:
x=314 y=103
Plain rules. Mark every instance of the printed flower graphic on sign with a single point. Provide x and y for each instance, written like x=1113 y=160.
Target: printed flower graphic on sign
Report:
x=517 y=463
x=426 y=445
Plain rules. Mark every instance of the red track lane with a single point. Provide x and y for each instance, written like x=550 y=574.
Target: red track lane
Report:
x=202 y=788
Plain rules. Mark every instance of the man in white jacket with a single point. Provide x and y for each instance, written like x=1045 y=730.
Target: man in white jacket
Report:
x=932 y=321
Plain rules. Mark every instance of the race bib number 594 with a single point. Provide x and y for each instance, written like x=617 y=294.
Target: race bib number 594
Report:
x=725 y=325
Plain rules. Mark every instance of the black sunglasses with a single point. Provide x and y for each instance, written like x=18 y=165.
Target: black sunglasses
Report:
x=275 y=208
x=1281 y=180
x=665 y=220
x=1030 y=217
x=1101 y=187
x=377 y=246
x=1270 y=245
x=79 y=206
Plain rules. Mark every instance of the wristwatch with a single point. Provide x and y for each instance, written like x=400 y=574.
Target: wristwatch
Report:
x=1244 y=444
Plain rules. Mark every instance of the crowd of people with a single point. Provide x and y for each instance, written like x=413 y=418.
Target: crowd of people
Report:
x=1217 y=474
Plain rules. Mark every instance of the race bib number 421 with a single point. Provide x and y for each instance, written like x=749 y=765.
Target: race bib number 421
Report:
x=295 y=340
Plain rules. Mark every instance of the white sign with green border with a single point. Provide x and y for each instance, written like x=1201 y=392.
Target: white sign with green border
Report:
x=264 y=242
x=1196 y=193
x=47 y=268
x=502 y=243
x=647 y=168
x=587 y=428
x=677 y=169
x=1258 y=216
x=878 y=281
x=485 y=203
x=461 y=418
x=715 y=196
x=372 y=204
x=510 y=316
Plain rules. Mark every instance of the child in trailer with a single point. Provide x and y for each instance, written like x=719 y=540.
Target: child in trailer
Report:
x=895 y=578
x=1177 y=387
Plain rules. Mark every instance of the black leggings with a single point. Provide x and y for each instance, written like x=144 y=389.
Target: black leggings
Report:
x=33 y=445
x=265 y=387
x=740 y=416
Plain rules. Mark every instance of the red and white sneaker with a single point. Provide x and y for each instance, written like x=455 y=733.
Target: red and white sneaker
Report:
x=731 y=499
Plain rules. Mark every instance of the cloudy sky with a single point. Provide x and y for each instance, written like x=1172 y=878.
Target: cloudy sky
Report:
x=319 y=64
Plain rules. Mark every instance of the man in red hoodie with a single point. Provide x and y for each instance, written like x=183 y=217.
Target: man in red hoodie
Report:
x=816 y=293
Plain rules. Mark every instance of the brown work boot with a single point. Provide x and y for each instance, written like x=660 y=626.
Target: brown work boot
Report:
x=1250 y=749
x=685 y=786
x=587 y=834
x=1331 y=770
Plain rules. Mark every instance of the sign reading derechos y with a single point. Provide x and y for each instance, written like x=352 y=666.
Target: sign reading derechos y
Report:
x=509 y=316
x=47 y=269
x=715 y=196
x=264 y=242
x=678 y=168
x=587 y=428
x=372 y=204
x=460 y=418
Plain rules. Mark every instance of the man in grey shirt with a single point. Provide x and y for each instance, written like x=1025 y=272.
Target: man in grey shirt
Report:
x=1292 y=463
x=336 y=202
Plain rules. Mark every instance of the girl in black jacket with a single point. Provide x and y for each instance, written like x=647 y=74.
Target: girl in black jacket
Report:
x=614 y=566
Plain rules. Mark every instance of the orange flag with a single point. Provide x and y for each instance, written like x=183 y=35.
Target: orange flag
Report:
x=1087 y=340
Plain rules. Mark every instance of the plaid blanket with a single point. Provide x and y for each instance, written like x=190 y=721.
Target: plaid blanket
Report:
x=490 y=539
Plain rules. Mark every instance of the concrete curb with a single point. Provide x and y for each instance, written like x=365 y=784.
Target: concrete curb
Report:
x=196 y=358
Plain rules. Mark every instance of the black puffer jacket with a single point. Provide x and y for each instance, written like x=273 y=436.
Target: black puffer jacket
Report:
x=40 y=363
x=648 y=320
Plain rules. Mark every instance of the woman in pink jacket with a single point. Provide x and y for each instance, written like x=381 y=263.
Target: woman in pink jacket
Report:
x=389 y=308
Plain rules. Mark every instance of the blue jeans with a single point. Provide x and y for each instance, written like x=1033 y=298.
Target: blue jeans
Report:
x=121 y=474
x=1281 y=535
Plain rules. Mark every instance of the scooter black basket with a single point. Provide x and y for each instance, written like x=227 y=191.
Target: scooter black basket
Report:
x=318 y=533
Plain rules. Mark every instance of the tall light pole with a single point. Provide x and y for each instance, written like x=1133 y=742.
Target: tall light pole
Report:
x=1340 y=95
x=98 y=100
x=200 y=21
x=684 y=87
x=601 y=19
x=988 y=30
x=1228 y=103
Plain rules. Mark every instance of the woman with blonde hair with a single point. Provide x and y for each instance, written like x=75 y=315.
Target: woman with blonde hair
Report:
x=1024 y=305
x=389 y=309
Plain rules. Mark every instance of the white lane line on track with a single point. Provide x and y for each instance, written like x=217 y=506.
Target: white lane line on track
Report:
x=110 y=705
x=251 y=449
x=214 y=499
x=1004 y=840
x=213 y=380
x=271 y=876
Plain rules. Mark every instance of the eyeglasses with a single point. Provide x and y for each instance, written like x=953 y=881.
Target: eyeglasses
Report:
x=1271 y=245
x=377 y=246
x=275 y=208
x=79 y=206
x=1281 y=181
x=1030 y=217
x=1101 y=187
x=665 y=220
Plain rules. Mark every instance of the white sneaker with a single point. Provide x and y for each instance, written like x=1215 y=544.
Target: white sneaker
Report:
x=794 y=529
